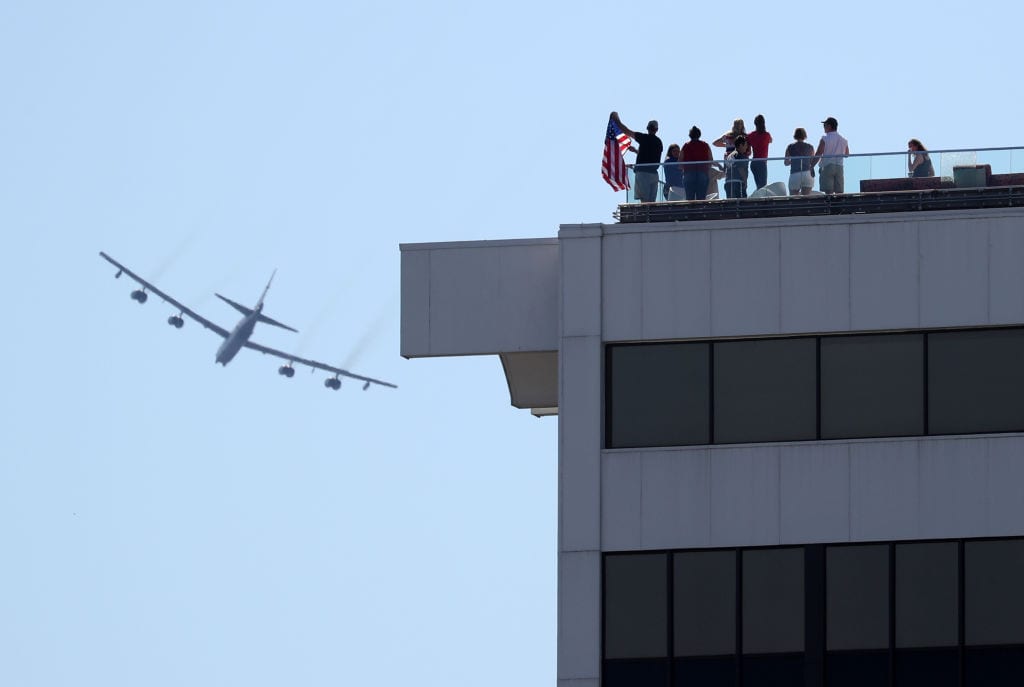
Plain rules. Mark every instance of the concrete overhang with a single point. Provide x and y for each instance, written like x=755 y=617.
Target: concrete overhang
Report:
x=487 y=298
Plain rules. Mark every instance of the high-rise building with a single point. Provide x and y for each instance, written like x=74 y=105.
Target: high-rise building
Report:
x=791 y=447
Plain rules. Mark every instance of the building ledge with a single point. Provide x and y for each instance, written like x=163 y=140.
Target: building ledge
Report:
x=839 y=204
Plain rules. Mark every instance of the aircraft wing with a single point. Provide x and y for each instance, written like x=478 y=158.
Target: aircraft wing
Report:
x=146 y=285
x=315 y=364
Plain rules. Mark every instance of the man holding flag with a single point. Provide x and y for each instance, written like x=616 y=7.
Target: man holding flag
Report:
x=648 y=158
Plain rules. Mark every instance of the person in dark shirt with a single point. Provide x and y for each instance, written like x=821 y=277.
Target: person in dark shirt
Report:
x=736 y=165
x=918 y=161
x=673 y=174
x=648 y=159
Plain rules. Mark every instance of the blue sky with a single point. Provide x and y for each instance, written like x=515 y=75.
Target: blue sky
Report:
x=167 y=522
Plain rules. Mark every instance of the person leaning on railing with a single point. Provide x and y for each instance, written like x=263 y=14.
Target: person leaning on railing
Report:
x=919 y=164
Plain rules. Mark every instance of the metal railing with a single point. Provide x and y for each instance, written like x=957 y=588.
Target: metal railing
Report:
x=889 y=171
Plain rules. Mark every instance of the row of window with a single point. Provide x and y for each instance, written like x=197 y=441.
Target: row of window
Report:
x=947 y=613
x=819 y=387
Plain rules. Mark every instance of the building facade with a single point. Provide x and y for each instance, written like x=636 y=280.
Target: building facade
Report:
x=791 y=449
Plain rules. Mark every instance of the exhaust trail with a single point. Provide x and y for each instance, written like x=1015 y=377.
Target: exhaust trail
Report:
x=370 y=336
x=172 y=257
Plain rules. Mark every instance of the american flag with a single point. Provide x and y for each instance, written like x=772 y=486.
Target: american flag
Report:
x=613 y=166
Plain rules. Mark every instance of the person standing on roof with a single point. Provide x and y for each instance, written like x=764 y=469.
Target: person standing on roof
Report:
x=759 y=140
x=697 y=154
x=799 y=160
x=726 y=140
x=648 y=159
x=673 y=174
x=830 y=153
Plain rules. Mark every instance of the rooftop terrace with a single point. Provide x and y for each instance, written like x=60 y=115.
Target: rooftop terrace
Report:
x=876 y=182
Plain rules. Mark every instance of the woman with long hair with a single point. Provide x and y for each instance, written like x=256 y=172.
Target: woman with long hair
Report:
x=759 y=140
x=726 y=139
x=919 y=164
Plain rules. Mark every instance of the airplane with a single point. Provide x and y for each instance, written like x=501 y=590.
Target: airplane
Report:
x=238 y=337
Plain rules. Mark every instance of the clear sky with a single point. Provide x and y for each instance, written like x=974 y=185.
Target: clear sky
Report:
x=167 y=522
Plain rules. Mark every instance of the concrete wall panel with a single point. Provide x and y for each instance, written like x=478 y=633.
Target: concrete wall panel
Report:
x=744 y=496
x=415 y=303
x=744 y=282
x=954 y=274
x=675 y=510
x=579 y=615
x=815 y=493
x=621 y=496
x=581 y=291
x=953 y=491
x=579 y=436
x=884 y=290
x=677 y=284
x=815 y=279
x=884 y=490
x=1006 y=486
x=1006 y=271
x=622 y=287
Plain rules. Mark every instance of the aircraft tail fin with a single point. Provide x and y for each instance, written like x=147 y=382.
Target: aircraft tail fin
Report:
x=259 y=305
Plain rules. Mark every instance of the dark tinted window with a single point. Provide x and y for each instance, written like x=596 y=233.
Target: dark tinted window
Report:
x=857 y=668
x=994 y=592
x=976 y=381
x=765 y=390
x=659 y=395
x=636 y=606
x=872 y=386
x=705 y=603
x=649 y=673
x=857 y=597
x=773 y=601
x=927 y=595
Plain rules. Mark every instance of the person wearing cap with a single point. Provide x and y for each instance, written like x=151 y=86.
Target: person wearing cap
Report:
x=830 y=153
x=648 y=159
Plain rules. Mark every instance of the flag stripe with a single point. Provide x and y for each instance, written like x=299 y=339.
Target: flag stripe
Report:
x=613 y=165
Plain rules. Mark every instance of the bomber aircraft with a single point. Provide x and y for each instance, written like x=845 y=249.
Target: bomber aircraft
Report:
x=238 y=338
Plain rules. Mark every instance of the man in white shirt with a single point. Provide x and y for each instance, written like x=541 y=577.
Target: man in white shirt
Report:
x=830 y=153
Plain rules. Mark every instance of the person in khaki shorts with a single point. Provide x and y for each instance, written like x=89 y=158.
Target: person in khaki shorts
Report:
x=800 y=160
x=830 y=153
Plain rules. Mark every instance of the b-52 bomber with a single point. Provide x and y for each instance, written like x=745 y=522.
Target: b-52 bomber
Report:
x=238 y=338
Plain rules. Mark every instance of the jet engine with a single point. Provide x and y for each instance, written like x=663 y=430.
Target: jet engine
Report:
x=139 y=295
x=332 y=383
x=286 y=370
x=176 y=321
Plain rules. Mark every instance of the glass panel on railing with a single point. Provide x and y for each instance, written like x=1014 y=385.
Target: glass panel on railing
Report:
x=894 y=166
x=960 y=158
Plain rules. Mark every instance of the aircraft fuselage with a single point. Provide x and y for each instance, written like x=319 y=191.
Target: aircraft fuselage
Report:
x=237 y=338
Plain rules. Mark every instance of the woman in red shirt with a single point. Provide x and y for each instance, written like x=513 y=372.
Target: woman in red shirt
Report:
x=759 y=140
